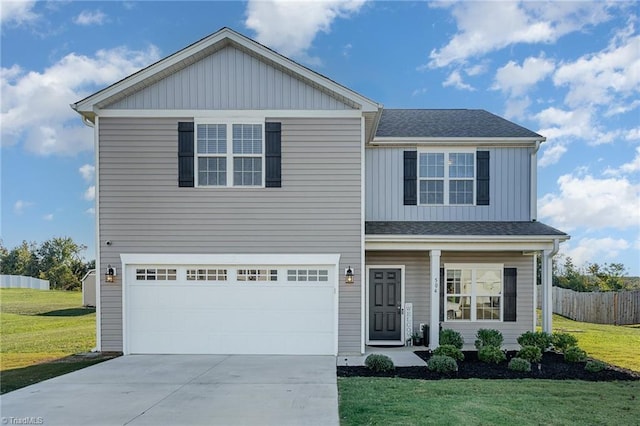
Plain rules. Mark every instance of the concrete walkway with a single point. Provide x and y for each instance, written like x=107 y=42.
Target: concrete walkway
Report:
x=184 y=390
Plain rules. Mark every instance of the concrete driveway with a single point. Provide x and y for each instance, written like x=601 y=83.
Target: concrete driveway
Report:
x=184 y=390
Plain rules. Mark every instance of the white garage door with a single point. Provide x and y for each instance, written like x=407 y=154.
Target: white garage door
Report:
x=230 y=309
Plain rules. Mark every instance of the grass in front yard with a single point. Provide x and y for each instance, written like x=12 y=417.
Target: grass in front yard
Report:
x=381 y=401
x=39 y=326
x=614 y=344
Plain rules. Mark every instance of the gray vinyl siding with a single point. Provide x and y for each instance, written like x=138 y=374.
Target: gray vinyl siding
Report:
x=510 y=174
x=317 y=210
x=417 y=279
x=229 y=79
x=416 y=273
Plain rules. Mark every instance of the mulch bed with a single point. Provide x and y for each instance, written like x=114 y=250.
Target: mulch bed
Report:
x=552 y=367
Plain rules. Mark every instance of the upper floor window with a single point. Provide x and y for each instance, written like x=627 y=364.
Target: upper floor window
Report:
x=446 y=177
x=229 y=154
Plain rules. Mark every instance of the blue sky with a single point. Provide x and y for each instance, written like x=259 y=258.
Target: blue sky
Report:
x=567 y=70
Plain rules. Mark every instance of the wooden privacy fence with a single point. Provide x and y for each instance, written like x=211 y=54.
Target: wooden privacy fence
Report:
x=612 y=307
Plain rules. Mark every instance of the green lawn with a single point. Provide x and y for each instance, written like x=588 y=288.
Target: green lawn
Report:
x=378 y=401
x=39 y=325
x=617 y=345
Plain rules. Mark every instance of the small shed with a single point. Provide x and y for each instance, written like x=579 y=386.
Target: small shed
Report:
x=89 y=288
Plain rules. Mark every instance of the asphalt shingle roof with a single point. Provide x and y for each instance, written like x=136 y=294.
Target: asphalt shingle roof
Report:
x=462 y=228
x=448 y=123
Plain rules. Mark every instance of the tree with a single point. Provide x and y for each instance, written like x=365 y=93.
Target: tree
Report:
x=61 y=262
x=609 y=277
x=21 y=260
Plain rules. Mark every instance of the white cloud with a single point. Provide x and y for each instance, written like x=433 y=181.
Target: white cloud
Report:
x=90 y=211
x=633 y=134
x=420 y=91
x=516 y=80
x=88 y=17
x=598 y=250
x=21 y=205
x=488 y=26
x=604 y=77
x=632 y=166
x=87 y=171
x=90 y=193
x=48 y=217
x=585 y=201
x=516 y=107
x=35 y=104
x=562 y=125
x=551 y=154
x=17 y=12
x=455 y=80
x=290 y=27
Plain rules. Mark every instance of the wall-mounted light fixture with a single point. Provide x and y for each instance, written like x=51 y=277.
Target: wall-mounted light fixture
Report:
x=348 y=275
x=110 y=275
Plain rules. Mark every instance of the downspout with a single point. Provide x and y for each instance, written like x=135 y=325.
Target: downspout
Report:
x=547 y=283
x=533 y=211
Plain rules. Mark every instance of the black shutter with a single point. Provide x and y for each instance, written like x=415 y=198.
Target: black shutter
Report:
x=442 y=287
x=482 y=178
x=510 y=293
x=273 y=155
x=185 y=154
x=410 y=178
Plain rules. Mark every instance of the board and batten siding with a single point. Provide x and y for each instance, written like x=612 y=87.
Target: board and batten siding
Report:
x=317 y=210
x=230 y=79
x=418 y=278
x=509 y=190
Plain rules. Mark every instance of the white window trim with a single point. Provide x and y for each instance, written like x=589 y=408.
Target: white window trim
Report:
x=446 y=179
x=229 y=155
x=474 y=294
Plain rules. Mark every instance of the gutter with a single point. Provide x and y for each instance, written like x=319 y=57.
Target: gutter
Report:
x=533 y=208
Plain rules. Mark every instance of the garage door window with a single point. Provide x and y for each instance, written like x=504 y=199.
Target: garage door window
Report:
x=206 y=275
x=153 y=274
x=257 y=275
x=313 y=275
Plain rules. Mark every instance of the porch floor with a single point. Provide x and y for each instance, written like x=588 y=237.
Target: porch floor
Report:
x=402 y=356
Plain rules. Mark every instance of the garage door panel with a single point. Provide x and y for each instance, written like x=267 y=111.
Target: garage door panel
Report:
x=212 y=317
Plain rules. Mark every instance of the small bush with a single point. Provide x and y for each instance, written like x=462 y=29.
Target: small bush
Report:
x=488 y=337
x=451 y=337
x=575 y=354
x=442 y=364
x=379 y=363
x=491 y=354
x=538 y=338
x=595 y=366
x=449 y=350
x=563 y=341
x=520 y=364
x=530 y=353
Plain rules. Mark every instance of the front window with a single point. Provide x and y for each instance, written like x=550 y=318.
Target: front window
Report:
x=446 y=178
x=473 y=292
x=229 y=154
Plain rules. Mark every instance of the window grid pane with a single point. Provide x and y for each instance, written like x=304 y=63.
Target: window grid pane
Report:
x=247 y=139
x=461 y=165
x=247 y=171
x=431 y=192
x=461 y=192
x=212 y=139
x=212 y=171
x=432 y=165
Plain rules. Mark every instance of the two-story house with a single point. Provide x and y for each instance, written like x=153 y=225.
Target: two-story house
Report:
x=247 y=204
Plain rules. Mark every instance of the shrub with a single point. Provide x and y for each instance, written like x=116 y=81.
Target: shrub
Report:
x=451 y=337
x=379 y=363
x=442 y=364
x=530 y=353
x=562 y=341
x=538 y=338
x=520 y=364
x=488 y=337
x=491 y=354
x=449 y=350
x=595 y=366
x=575 y=354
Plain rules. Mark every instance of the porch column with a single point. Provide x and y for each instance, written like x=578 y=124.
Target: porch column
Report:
x=434 y=323
x=547 y=295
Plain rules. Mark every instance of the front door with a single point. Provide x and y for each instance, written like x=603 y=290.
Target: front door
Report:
x=385 y=305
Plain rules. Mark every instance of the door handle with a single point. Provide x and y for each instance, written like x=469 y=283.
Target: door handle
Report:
x=400 y=310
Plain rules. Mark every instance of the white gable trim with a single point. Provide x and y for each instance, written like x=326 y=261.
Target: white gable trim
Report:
x=87 y=105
